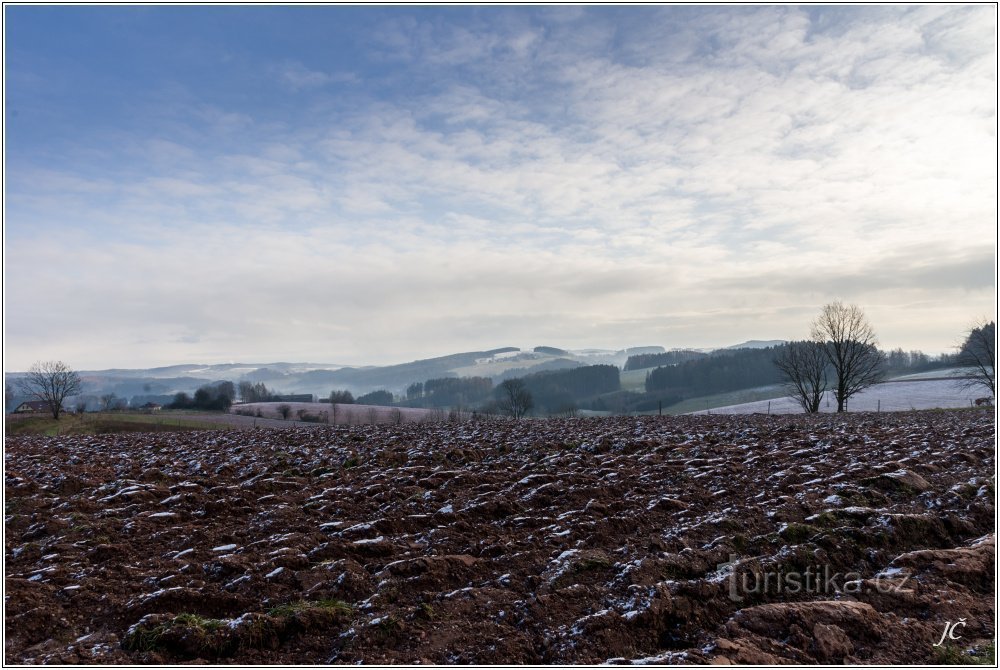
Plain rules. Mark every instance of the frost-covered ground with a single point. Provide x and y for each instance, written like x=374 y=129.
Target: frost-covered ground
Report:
x=892 y=396
x=623 y=540
x=343 y=414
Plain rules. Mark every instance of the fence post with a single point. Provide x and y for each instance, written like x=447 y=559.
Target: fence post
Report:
x=769 y=408
x=878 y=408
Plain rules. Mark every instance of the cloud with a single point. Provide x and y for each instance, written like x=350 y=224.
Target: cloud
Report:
x=297 y=77
x=674 y=174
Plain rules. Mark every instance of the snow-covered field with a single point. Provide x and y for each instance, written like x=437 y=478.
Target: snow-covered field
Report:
x=892 y=396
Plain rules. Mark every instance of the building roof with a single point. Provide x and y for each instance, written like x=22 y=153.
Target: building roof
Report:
x=32 y=406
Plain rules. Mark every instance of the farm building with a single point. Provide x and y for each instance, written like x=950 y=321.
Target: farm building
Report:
x=31 y=407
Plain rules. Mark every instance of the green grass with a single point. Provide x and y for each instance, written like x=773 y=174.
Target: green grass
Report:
x=797 y=532
x=293 y=608
x=957 y=655
x=634 y=380
x=724 y=400
x=145 y=638
x=191 y=635
x=152 y=638
x=945 y=373
x=101 y=422
x=196 y=621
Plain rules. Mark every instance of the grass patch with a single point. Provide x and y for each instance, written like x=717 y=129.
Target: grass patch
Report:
x=797 y=532
x=191 y=635
x=387 y=628
x=955 y=655
x=161 y=634
x=144 y=638
x=103 y=423
x=724 y=399
x=300 y=606
x=196 y=621
x=633 y=380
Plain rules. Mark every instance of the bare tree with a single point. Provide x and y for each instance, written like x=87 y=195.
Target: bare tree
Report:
x=979 y=353
x=851 y=348
x=250 y=392
x=51 y=382
x=108 y=401
x=8 y=396
x=514 y=398
x=284 y=411
x=804 y=366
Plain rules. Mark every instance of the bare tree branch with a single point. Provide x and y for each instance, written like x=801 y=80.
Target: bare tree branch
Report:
x=804 y=366
x=979 y=353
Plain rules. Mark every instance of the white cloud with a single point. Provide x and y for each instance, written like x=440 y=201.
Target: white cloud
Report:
x=675 y=189
x=298 y=77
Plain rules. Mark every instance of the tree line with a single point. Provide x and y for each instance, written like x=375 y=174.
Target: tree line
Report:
x=449 y=392
x=217 y=397
x=565 y=391
x=841 y=356
x=719 y=372
x=643 y=361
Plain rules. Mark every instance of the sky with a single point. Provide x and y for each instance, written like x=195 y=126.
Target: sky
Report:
x=369 y=185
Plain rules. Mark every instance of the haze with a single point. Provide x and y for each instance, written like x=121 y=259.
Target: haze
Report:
x=379 y=184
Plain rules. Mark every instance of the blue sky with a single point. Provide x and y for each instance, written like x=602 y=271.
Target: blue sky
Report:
x=377 y=184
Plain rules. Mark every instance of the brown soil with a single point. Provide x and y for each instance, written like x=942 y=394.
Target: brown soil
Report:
x=655 y=540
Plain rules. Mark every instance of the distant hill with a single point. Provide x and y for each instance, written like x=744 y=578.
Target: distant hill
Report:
x=757 y=344
x=636 y=351
x=642 y=361
x=321 y=378
x=609 y=357
x=316 y=378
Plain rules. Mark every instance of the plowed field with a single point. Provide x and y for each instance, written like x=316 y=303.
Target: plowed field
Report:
x=748 y=539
